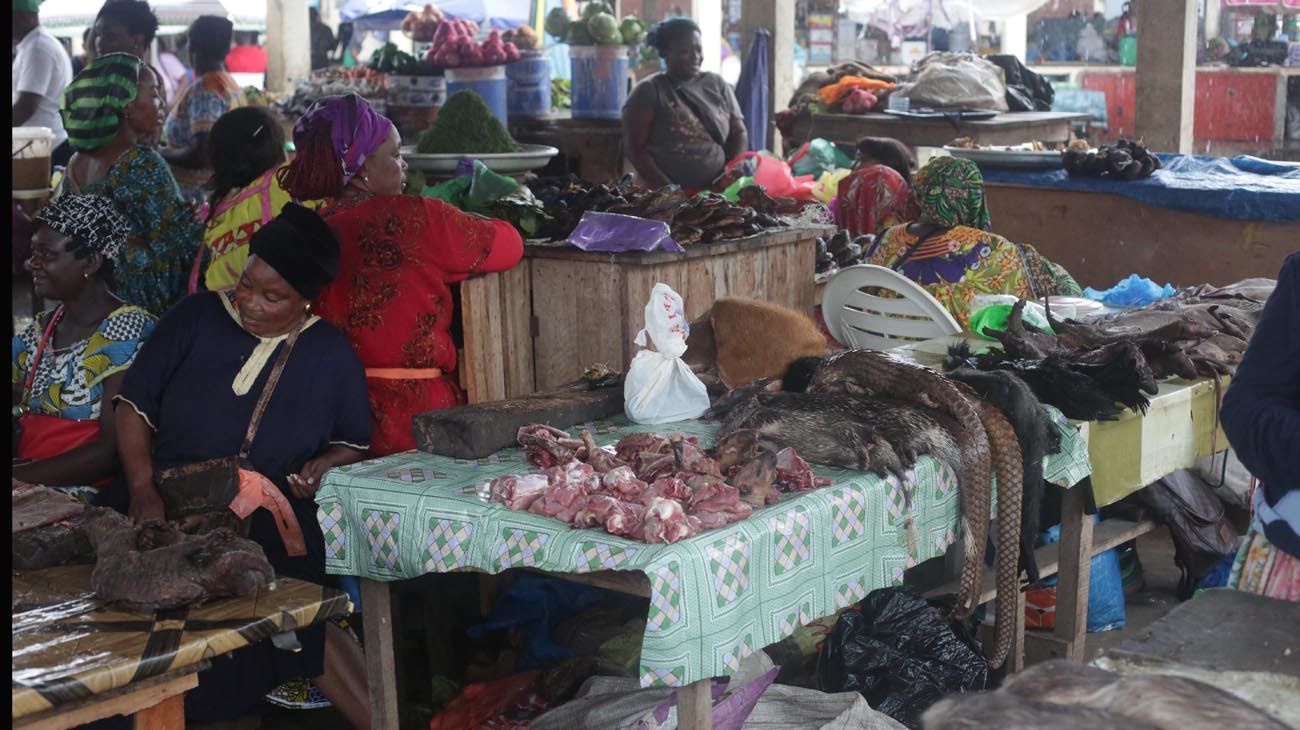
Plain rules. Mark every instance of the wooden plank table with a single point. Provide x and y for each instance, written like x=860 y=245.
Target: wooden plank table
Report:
x=76 y=661
x=1005 y=129
x=1127 y=454
x=541 y=324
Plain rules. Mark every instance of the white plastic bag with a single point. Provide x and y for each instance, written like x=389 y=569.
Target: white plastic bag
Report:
x=659 y=387
x=944 y=80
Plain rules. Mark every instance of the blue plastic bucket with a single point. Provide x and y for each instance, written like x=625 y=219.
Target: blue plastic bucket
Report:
x=599 y=82
x=488 y=82
x=528 y=83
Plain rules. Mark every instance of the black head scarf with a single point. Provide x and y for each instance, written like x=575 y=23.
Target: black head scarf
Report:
x=301 y=247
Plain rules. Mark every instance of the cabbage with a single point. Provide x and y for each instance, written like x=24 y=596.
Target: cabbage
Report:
x=604 y=28
x=557 y=22
x=632 y=30
x=595 y=8
x=579 y=35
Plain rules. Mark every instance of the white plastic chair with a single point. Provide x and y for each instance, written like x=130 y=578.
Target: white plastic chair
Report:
x=862 y=320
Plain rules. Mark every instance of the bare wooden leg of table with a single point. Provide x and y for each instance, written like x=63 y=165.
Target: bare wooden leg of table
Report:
x=377 y=624
x=695 y=706
x=166 y=715
x=1067 y=640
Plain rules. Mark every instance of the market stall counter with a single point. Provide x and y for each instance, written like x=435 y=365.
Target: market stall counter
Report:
x=592 y=147
x=541 y=324
x=76 y=661
x=1010 y=128
x=714 y=598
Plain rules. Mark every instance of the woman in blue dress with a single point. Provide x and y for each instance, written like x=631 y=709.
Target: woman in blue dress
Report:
x=189 y=398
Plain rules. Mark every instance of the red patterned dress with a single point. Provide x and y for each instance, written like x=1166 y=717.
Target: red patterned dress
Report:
x=393 y=300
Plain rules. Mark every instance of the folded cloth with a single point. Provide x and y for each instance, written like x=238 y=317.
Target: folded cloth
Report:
x=256 y=491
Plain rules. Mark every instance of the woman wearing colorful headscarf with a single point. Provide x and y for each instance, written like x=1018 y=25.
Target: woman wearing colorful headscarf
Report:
x=212 y=93
x=70 y=361
x=877 y=194
x=400 y=254
x=951 y=251
x=106 y=110
x=190 y=397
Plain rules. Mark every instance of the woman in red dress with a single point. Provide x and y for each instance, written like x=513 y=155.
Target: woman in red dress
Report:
x=401 y=253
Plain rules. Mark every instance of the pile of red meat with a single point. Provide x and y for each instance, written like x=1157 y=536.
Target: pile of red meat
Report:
x=648 y=487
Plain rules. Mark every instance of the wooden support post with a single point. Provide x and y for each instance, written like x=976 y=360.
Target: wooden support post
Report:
x=695 y=706
x=1166 y=74
x=778 y=17
x=381 y=673
x=1067 y=640
x=166 y=715
x=288 y=44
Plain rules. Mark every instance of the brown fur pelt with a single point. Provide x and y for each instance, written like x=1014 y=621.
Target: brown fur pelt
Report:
x=742 y=340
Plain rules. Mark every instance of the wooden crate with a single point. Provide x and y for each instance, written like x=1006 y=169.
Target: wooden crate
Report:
x=542 y=324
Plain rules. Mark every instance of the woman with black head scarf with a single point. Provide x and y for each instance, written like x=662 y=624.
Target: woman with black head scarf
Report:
x=683 y=125
x=190 y=397
x=212 y=93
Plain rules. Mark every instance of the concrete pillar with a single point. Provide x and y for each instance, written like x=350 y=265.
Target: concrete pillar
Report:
x=1213 y=18
x=1166 y=73
x=288 y=44
x=778 y=17
x=708 y=15
x=1015 y=36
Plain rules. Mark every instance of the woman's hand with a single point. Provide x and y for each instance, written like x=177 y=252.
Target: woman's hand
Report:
x=304 y=484
x=146 y=506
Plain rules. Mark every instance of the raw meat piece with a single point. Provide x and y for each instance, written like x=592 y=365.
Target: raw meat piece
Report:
x=673 y=487
x=650 y=466
x=757 y=481
x=717 y=504
x=627 y=520
x=666 y=522
x=576 y=473
x=633 y=445
x=157 y=567
x=35 y=506
x=563 y=500
x=601 y=460
x=546 y=446
x=595 y=512
x=793 y=473
x=518 y=492
x=688 y=456
x=623 y=484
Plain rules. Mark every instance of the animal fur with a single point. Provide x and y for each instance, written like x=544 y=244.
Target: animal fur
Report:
x=988 y=710
x=747 y=339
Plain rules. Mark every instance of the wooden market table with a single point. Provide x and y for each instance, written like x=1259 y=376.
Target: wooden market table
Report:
x=593 y=148
x=1005 y=129
x=1126 y=455
x=1101 y=238
x=713 y=598
x=76 y=661
x=561 y=310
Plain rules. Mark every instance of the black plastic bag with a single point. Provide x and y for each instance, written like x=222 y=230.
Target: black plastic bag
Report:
x=898 y=652
x=1026 y=91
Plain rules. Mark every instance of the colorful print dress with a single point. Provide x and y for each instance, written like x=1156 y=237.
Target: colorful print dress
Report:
x=199 y=107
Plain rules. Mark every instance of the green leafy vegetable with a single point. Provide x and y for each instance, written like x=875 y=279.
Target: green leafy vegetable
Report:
x=466 y=126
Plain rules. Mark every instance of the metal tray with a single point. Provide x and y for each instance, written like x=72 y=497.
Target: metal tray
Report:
x=1019 y=159
x=533 y=157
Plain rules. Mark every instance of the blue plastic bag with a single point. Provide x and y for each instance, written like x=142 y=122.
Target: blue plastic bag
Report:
x=1105 y=587
x=1135 y=291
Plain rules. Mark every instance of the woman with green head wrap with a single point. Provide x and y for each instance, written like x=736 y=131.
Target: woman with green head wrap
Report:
x=951 y=250
x=109 y=107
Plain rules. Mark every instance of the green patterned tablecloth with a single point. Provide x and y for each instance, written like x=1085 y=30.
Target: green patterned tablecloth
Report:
x=715 y=598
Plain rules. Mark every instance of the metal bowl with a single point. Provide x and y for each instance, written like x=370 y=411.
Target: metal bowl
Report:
x=532 y=157
x=1009 y=158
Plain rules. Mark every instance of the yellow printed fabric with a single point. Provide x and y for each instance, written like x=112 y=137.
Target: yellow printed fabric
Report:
x=237 y=218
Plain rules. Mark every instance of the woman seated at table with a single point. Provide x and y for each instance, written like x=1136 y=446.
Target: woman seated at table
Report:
x=106 y=110
x=400 y=254
x=67 y=362
x=189 y=398
x=877 y=194
x=212 y=93
x=682 y=125
x=247 y=152
x=951 y=252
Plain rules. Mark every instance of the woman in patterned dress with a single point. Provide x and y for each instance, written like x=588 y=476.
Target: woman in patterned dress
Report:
x=106 y=110
x=951 y=251
x=68 y=362
x=213 y=93
x=400 y=255
x=877 y=194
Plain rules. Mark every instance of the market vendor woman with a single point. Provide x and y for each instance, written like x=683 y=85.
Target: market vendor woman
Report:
x=682 y=125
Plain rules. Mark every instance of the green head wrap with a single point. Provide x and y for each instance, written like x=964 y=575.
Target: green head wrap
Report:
x=94 y=102
x=27 y=6
x=950 y=192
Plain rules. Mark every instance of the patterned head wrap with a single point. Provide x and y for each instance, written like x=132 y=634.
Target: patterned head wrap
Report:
x=91 y=220
x=950 y=192
x=356 y=130
x=94 y=102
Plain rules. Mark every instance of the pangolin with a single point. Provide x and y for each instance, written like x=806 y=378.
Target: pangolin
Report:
x=878 y=374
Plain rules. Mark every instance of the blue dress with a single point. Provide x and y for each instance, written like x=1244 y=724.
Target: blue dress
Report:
x=182 y=384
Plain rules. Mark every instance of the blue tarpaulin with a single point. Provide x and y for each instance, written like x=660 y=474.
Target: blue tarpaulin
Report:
x=753 y=92
x=1240 y=188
